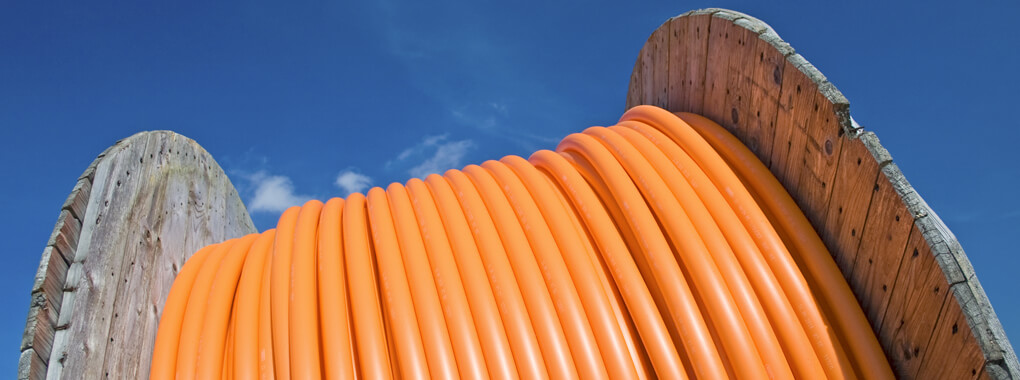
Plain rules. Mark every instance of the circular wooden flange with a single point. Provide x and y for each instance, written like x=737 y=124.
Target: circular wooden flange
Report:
x=900 y=259
x=137 y=213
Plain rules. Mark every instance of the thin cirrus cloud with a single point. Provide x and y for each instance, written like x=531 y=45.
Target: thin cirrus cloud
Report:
x=433 y=154
x=437 y=155
x=350 y=181
x=273 y=193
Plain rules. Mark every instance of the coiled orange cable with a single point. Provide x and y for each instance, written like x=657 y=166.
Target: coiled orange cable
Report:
x=634 y=251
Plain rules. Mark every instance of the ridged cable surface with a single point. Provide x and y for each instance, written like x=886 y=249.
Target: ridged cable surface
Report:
x=631 y=252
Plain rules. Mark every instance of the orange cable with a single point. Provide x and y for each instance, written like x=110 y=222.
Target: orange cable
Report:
x=462 y=330
x=194 y=315
x=655 y=248
x=395 y=291
x=652 y=329
x=540 y=303
x=334 y=325
x=249 y=293
x=303 y=311
x=367 y=320
x=821 y=271
x=164 y=352
x=482 y=302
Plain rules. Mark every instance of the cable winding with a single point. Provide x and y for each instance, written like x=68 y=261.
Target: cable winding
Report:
x=655 y=248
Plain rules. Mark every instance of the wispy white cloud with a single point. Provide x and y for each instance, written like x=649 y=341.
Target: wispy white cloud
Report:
x=351 y=181
x=491 y=118
x=273 y=193
x=426 y=144
x=434 y=154
x=448 y=156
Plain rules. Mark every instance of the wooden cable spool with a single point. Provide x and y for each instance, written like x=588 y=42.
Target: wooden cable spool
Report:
x=900 y=259
x=151 y=200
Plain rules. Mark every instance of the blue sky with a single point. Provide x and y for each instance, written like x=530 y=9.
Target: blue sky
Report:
x=314 y=99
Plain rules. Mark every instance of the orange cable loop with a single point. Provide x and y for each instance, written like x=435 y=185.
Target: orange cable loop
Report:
x=659 y=247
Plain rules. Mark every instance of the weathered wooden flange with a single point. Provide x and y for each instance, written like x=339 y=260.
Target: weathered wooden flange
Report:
x=736 y=70
x=137 y=213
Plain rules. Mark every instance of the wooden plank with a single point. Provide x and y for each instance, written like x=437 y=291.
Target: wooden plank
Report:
x=38 y=334
x=736 y=106
x=111 y=201
x=766 y=78
x=789 y=137
x=1000 y=358
x=883 y=239
x=848 y=206
x=49 y=280
x=47 y=289
x=133 y=316
x=67 y=303
x=157 y=198
x=79 y=198
x=655 y=68
x=808 y=139
x=31 y=366
x=55 y=365
x=958 y=356
x=915 y=302
x=688 y=53
x=74 y=273
x=65 y=235
x=720 y=48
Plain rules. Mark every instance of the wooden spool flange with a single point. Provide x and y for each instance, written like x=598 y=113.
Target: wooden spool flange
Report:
x=137 y=213
x=900 y=259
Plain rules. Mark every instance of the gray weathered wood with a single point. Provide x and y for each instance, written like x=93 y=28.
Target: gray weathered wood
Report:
x=831 y=165
x=31 y=366
x=136 y=214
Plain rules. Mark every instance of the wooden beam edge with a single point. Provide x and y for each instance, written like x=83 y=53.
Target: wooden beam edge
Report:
x=1000 y=357
x=36 y=368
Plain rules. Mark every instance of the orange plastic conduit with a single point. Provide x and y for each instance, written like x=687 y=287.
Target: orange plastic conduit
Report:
x=824 y=277
x=656 y=248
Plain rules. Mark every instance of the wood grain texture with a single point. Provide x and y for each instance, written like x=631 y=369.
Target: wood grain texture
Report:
x=31 y=366
x=721 y=48
x=144 y=206
x=915 y=305
x=655 y=61
x=883 y=239
x=688 y=45
x=952 y=330
x=852 y=193
x=808 y=139
x=799 y=125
